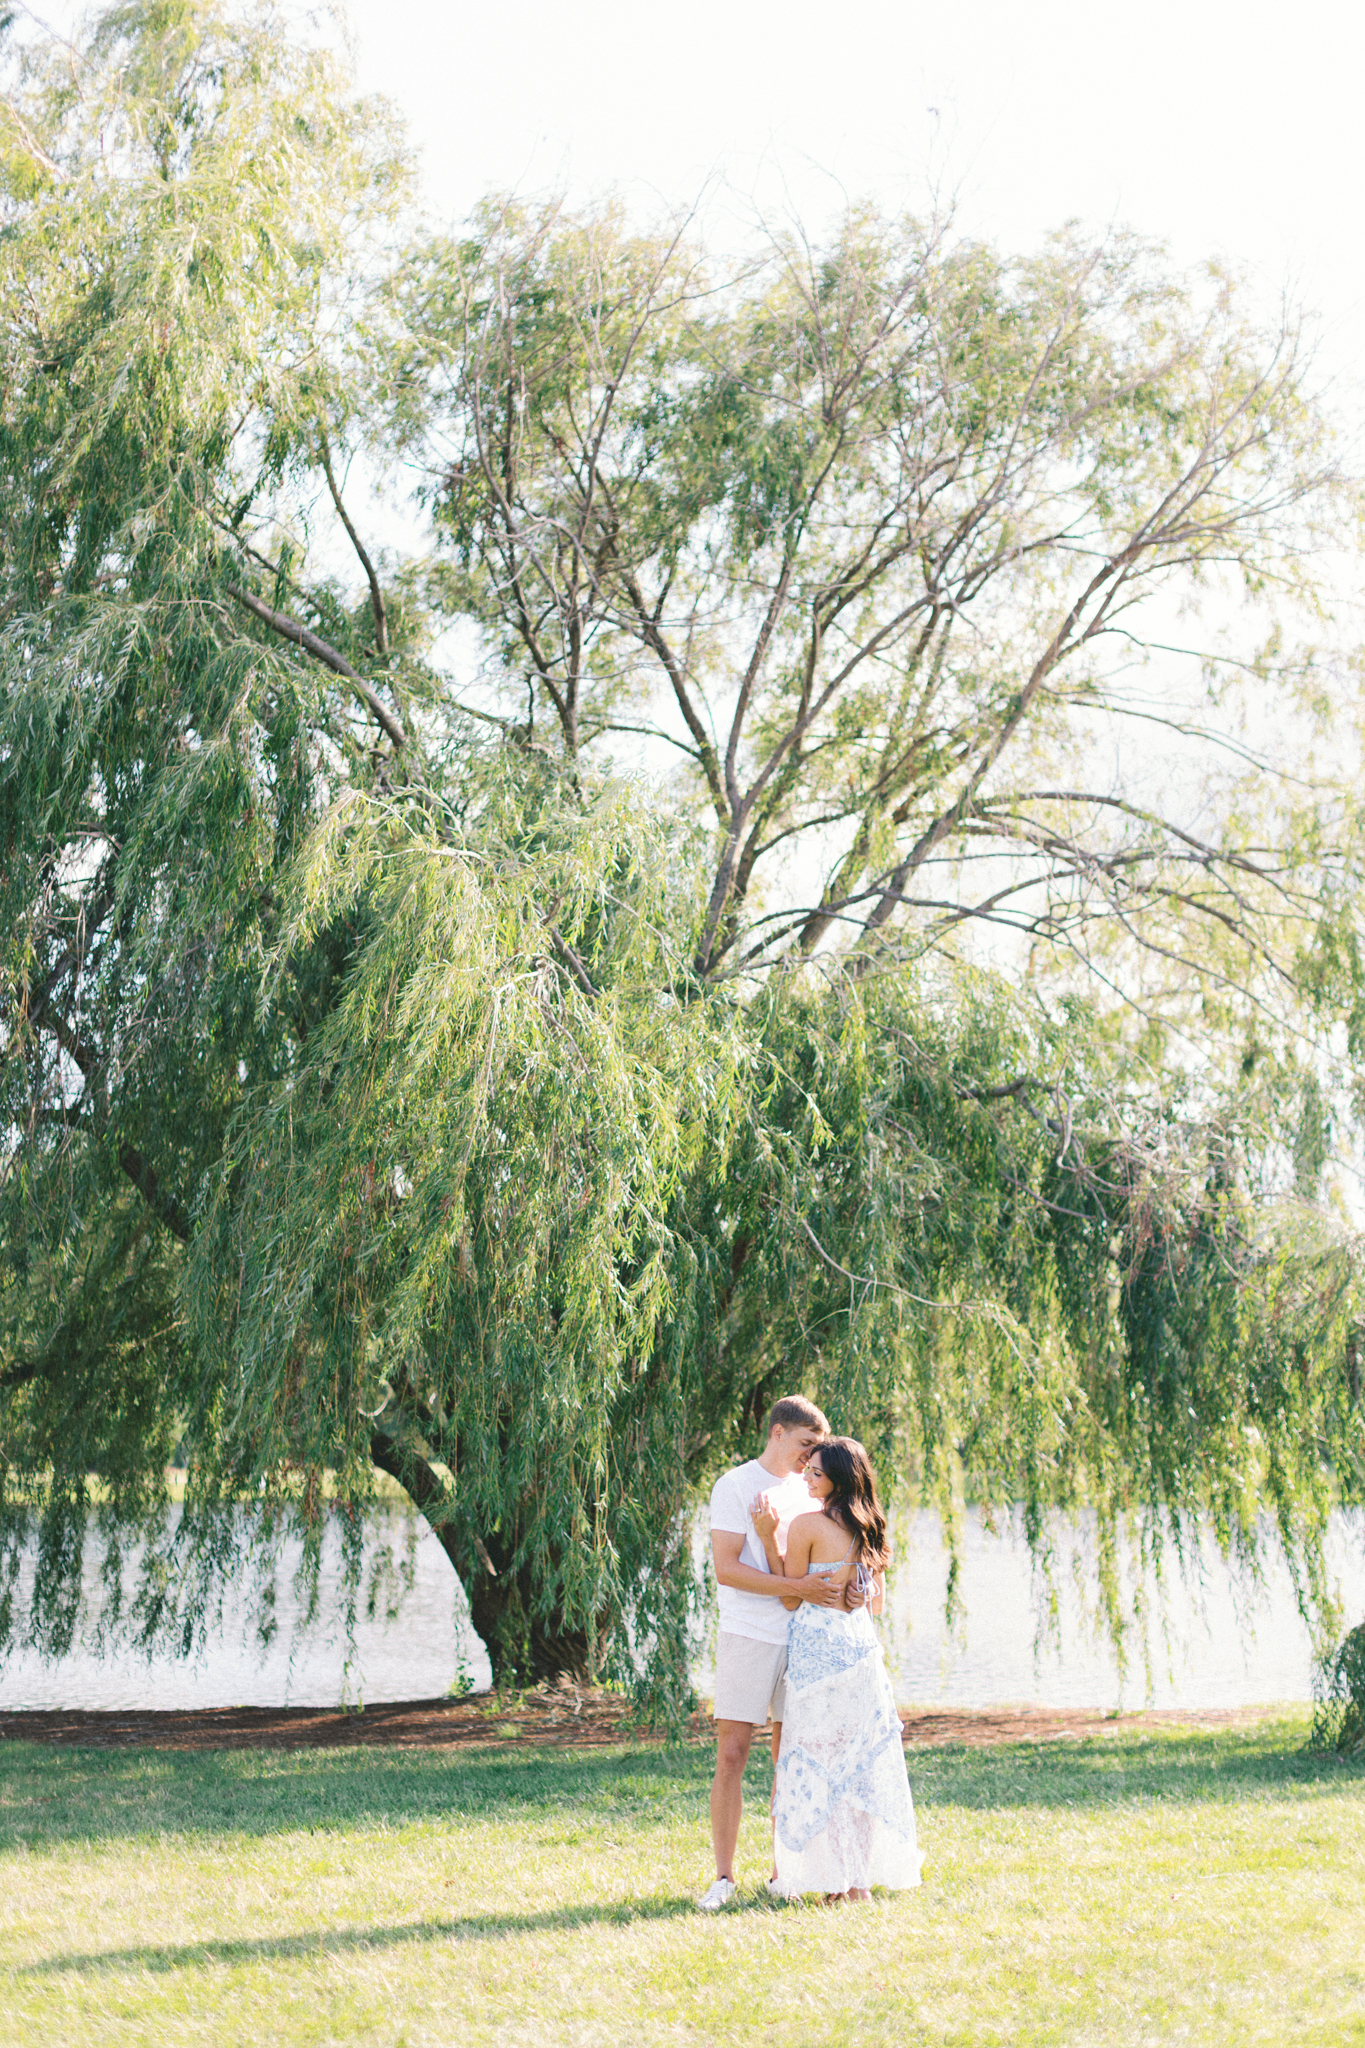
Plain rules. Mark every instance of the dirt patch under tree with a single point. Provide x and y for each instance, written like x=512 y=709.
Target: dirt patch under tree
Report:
x=563 y=1716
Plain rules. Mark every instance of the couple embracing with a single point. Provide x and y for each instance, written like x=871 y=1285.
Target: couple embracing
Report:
x=799 y=1541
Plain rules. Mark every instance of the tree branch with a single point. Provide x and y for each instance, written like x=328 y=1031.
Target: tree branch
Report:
x=381 y=628
x=163 y=1207
x=423 y=1486
x=854 y=1279
x=651 y=632
x=565 y=952
x=290 y=629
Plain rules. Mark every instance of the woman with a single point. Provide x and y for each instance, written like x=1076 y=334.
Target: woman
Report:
x=843 y=1818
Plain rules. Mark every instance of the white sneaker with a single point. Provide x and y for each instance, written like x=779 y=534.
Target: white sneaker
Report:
x=720 y=1894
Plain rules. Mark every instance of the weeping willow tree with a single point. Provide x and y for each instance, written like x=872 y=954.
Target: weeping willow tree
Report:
x=747 y=972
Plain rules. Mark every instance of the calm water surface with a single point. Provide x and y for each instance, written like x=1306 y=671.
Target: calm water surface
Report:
x=1224 y=1644
x=1215 y=1640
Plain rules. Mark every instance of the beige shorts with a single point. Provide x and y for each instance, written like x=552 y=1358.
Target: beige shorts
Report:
x=751 y=1683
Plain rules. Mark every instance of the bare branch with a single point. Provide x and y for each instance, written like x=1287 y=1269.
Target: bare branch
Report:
x=381 y=627
x=565 y=952
x=650 y=632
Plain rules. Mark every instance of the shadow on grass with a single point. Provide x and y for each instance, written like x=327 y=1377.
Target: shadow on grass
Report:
x=1190 y=1767
x=52 y=1796
x=342 y=1941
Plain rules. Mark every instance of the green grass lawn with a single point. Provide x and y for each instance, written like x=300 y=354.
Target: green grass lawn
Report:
x=1193 y=1887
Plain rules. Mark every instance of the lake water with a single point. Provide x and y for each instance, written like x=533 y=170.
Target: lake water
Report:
x=1216 y=1641
x=1224 y=1644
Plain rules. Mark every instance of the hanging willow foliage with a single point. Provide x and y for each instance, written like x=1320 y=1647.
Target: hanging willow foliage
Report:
x=396 y=1085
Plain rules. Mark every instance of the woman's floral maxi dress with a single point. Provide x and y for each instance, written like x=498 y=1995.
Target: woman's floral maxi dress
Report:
x=843 y=1815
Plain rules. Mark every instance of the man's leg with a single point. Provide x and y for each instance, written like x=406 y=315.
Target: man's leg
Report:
x=727 y=1791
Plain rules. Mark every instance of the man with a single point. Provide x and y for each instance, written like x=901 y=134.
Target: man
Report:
x=751 y=1654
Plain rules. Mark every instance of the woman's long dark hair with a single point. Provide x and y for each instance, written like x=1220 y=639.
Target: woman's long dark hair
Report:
x=852 y=1500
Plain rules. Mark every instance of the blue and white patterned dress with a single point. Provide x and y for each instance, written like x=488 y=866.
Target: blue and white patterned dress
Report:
x=844 y=1818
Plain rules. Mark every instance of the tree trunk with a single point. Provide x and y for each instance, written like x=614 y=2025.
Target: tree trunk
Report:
x=522 y=1649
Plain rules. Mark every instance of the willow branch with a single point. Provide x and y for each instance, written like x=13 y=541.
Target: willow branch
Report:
x=290 y=629
x=164 y=1207
x=143 y=1176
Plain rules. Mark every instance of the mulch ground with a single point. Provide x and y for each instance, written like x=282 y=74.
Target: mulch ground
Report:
x=561 y=1717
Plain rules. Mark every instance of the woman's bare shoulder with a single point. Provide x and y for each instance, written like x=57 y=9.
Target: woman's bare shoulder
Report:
x=807 y=1523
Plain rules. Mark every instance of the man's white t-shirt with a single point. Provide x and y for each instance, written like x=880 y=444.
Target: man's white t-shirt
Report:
x=760 y=1616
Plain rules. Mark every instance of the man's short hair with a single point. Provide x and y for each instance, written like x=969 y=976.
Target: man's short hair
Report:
x=794 y=1411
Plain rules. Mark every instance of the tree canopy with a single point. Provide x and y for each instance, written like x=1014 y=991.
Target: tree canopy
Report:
x=754 y=965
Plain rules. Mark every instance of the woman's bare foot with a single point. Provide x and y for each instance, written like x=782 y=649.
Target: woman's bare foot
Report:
x=836 y=1898
x=859 y=1897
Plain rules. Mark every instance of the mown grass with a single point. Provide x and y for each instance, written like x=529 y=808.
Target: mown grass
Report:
x=1166 y=1887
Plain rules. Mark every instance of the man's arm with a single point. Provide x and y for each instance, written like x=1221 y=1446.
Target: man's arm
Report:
x=797 y=1560
x=726 y=1545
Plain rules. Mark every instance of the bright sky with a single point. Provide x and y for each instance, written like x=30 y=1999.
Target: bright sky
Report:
x=1228 y=131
